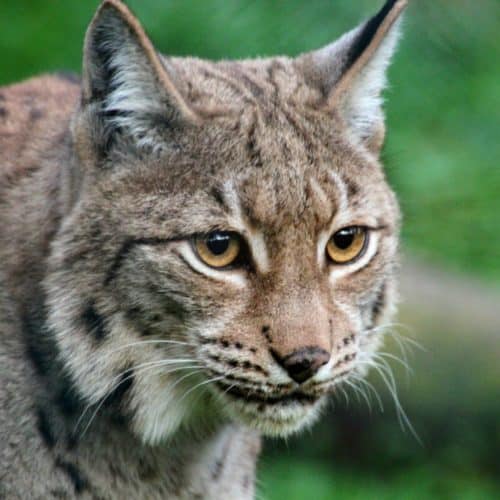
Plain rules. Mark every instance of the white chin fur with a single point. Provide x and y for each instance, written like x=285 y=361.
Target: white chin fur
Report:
x=162 y=408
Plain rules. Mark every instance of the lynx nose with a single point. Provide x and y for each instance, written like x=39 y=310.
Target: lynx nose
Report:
x=303 y=363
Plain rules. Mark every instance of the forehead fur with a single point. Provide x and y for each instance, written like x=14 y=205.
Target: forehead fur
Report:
x=263 y=139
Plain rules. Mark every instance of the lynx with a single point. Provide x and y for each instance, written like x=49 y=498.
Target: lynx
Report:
x=193 y=254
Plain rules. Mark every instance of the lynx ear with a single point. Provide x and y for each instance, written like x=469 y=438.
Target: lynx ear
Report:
x=351 y=72
x=125 y=82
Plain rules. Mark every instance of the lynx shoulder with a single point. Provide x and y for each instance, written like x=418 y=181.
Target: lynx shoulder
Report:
x=192 y=254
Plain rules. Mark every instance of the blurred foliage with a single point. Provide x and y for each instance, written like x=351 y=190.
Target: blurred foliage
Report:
x=299 y=480
x=443 y=108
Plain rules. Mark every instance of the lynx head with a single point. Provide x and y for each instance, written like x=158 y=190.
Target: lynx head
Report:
x=230 y=239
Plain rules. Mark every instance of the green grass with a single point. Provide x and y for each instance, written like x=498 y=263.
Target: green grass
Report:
x=295 y=480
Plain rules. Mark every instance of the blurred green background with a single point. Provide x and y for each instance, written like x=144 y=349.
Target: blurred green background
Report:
x=442 y=152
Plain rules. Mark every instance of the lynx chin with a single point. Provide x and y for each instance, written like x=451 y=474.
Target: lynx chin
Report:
x=192 y=254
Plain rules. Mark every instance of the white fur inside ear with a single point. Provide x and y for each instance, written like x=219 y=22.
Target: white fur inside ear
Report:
x=362 y=103
x=135 y=98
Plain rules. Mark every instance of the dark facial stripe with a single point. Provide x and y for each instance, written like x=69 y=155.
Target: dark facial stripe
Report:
x=123 y=252
x=38 y=359
x=45 y=429
x=125 y=384
x=43 y=353
x=379 y=303
x=254 y=88
x=118 y=260
x=80 y=482
x=253 y=150
x=273 y=67
x=367 y=34
x=352 y=187
x=217 y=468
x=94 y=322
x=35 y=114
x=67 y=399
x=218 y=196
x=304 y=135
x=40 y=348
x=232 y=83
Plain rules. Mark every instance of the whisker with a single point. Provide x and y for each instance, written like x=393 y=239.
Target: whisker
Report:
x=394 y=324
x=403 y=417
x=358 y=391
x=346 y=397
x=385 y=373
x=405 y=365
x=197 y=371
x=234 y=384
x=118 y=380
x=138 y=369
x=231 y=371
x=371 y=387
x=205 y=382
x=157 y=368
x=405 y=339
x=99 y=355
x=178 y=381
x=390 y=329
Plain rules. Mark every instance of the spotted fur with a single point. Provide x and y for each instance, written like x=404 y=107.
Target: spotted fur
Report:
x=129 y=368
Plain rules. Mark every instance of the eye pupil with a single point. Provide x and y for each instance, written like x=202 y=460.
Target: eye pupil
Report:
x=344 y=238
x=347 y=244
x=218 y=243
x=219 y=248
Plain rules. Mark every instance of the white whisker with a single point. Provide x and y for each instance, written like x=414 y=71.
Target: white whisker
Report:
x=384 y=371
x=101 y=354
x=118 y=380
x=359 y=391
x=370 y=387
x=209 y=381
x=403 y=363
x=346 y=397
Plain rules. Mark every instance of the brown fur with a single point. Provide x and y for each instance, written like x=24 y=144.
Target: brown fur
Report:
x=103 y=186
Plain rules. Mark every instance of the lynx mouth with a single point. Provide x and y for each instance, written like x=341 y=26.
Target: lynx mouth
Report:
x=270 y=414
x=252 y=396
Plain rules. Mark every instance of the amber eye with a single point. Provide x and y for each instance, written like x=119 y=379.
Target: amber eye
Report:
x=347 y=244
x=218 y=248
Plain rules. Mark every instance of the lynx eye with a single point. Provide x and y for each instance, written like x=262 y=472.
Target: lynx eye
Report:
x=218 y=249
x=347 y=244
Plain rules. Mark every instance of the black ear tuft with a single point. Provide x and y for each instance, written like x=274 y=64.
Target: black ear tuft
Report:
x=351 y=72
x=367 y=33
